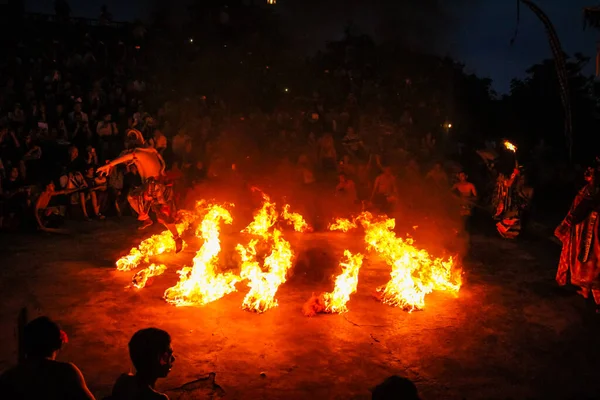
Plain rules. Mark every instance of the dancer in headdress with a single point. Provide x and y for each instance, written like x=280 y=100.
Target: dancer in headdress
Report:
x=580 y=257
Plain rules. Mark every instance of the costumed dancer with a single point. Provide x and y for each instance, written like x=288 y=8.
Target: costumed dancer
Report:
x=507 y=206
x=580 y=257
x=511 y=198
x=155 y=194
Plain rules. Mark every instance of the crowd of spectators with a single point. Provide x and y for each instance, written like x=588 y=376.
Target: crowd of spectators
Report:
x=66 y=107
x=40 y=375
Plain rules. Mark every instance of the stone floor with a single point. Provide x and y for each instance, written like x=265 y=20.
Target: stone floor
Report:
x=509 y=334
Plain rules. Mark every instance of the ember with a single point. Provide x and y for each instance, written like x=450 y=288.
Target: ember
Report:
x=201 y=284
x=140 y=279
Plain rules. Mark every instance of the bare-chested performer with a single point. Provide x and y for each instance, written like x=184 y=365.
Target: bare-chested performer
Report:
x=467 y=193
x=385 y=190
x=154 y=194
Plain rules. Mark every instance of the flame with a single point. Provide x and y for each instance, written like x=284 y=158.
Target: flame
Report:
x=342 y=224
x=264 y=281
x=140 y=279
x=510 y=146
x=201 y=284
x=295 y=219
x=154 y=245
x=415 y=273
x=345 y=284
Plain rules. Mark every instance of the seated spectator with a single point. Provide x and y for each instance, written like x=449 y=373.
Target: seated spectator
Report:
x=96 y=191
x=49 y=214
x=395 y=388
x=152 y=356
x=91 y=157
x=41 y=376
x=107 y=133
x=15 y=196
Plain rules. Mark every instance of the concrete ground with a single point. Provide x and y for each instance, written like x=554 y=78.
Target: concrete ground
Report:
x=509 y=334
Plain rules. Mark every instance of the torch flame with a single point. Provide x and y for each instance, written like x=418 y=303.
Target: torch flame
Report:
x=201 y=284
x=295 y=219
x=140 y=279
x=264 y=282
x=510 y=146
x=153 y=246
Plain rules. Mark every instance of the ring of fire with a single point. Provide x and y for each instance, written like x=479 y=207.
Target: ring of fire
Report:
x=414 y=272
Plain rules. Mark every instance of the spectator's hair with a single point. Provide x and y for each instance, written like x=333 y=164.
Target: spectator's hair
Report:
x=395 y=387
x=146 y=346
x=41 y=337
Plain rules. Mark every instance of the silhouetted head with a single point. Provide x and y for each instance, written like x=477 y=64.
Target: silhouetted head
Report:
x=395 y=388
x=151 y=352
x=462 y=177
x=42 y=338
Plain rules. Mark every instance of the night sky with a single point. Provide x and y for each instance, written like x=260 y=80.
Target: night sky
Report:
x=476 y=32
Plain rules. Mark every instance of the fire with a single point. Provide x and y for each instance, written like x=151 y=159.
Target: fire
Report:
x=342 y=224
x=295 y=219
x=153 y=246
x=345 y=285
x=264 y=281
x=510 y=146
x=415 y=273
x=201 y=284
x=141 y=277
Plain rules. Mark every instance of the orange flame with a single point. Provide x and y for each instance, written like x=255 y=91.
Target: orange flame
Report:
x=510 y=146
x=153 y=246
x=342 y=224
x=140 y=279
x=201 y=284
x=345 y=284
x=415 y=273
x=264 y=282
x=295 y=219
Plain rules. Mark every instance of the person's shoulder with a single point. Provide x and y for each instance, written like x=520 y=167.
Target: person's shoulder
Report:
x=8 y=375
x=123 y=384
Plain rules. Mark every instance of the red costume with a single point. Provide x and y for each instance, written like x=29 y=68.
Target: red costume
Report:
x=580 y=256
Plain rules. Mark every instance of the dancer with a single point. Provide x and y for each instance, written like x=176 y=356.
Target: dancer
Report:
x=578 y=232
x=156 y=193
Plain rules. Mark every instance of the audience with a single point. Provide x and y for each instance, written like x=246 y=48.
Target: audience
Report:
x=152 y=356
x=395 y=388
x=41 y=376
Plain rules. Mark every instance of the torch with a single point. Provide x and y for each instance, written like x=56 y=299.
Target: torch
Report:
x=511 y=147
